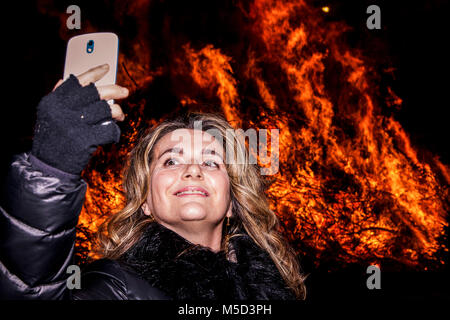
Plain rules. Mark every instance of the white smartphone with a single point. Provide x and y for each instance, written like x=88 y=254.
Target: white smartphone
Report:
x=90 y=50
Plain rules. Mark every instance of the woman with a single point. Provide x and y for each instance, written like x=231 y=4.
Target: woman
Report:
x=195 y=225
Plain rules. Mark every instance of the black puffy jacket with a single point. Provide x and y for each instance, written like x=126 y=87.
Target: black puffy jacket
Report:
x=38 y=216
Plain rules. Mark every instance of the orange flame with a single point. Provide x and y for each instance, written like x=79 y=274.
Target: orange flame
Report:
x=351 y=186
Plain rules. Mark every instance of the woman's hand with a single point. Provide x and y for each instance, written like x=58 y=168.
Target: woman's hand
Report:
x=74 y=119
x=108 y=92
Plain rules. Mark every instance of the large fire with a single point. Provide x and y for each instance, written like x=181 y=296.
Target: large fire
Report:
x=350 y=186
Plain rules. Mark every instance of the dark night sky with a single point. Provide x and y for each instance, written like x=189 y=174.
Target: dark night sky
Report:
x=413 y=39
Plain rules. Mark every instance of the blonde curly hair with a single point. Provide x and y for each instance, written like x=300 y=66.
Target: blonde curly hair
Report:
x=251 y=209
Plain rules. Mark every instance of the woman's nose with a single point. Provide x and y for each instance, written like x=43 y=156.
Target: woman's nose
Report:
x=193 y=171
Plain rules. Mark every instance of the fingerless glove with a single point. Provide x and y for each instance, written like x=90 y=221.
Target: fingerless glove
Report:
x=72 y=121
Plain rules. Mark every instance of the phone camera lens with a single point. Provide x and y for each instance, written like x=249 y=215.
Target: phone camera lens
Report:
x=90 y=46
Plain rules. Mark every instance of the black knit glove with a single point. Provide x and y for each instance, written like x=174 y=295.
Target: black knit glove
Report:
x=71 y=122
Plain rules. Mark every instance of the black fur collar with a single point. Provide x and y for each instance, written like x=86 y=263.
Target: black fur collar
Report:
x=200 y=273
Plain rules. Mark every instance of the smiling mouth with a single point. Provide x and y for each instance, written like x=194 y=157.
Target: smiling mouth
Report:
x=191 y=193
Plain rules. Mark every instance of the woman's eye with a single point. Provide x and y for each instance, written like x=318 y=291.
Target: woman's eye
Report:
x=170 y=162
x=211 y=163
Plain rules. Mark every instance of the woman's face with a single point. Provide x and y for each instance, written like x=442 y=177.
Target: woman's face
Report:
x=189 y=186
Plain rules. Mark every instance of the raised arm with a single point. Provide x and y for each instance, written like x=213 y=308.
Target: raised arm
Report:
x=43 y=193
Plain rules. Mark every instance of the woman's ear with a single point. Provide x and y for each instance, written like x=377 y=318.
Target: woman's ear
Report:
x=146 y=209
